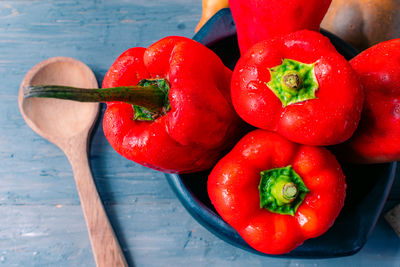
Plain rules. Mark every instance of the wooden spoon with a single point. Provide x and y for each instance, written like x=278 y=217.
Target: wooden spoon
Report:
x=68 y=125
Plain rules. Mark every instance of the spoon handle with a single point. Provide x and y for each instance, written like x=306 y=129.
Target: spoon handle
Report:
x=105 y=247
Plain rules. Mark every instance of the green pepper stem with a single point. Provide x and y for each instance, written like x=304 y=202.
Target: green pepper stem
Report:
x=284 y=191
x=292 y=80
x=148 y=96
x=281 y=190
x=289 y=191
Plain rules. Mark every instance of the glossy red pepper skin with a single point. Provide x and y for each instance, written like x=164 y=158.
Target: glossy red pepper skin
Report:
x=201 y=122
x=233 y=190
x=378 y=137
x=258 y=20
x=330 y=118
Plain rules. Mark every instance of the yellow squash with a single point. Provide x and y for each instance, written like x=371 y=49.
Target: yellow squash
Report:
x=210 y=7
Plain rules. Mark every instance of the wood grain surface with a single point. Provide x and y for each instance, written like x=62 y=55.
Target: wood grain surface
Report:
x=41 y=222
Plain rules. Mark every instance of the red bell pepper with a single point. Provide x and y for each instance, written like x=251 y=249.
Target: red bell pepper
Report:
x=299 y=86
x=378 y=137
x=276 y=193
x=258 y=20
x=176 y=113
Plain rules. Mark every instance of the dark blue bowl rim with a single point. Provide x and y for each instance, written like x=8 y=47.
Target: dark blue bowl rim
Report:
x=209 y=219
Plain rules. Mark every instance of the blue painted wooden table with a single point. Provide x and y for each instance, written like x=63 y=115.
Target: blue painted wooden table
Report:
x=41 y=222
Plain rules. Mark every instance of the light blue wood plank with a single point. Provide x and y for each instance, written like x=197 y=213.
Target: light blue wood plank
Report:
x=34 y=236
x=150 y=237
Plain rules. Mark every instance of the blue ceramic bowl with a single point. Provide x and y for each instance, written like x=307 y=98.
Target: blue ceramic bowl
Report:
x=368 y=185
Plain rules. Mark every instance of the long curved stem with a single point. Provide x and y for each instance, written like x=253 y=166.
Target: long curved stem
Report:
x=147 y=95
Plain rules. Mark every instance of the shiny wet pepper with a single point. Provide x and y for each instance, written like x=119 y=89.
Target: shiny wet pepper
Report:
x=199 y=121
x=258 y=20
x=168 y=106
x=277 y=193
x=377 y=139
x=299 y=86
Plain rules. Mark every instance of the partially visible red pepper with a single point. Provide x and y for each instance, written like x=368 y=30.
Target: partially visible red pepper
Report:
x=258 y=20
x=276 y=193
x=378 y=137
x=182 y=120
x=299 y=86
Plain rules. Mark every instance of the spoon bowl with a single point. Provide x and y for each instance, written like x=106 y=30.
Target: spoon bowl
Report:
x=68 y=124
x=59 y=120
